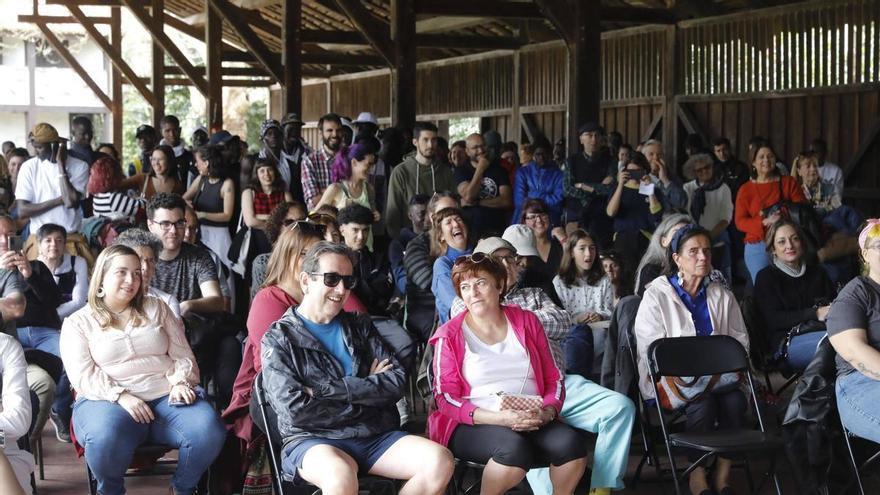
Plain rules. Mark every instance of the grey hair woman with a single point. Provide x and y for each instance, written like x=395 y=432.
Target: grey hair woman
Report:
x=651 y=263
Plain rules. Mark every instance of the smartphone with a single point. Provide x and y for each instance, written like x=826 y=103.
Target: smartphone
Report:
x=636 y=175
x=14 y=243
x=177 y=403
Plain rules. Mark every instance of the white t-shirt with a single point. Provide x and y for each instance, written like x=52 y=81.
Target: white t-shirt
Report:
x=501 y=367
x=719 y=205
x=167 y=298
x=39 y=181
x=832 y=173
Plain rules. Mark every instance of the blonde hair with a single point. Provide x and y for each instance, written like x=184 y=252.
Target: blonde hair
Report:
x=286 y=253
x=105 y=317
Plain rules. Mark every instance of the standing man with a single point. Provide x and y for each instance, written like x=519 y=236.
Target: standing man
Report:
x=587 y=178
x=146 y=141
x=316 y=172
x=672 y=194
x=419 y=173
x=183 y=158
x=485 y=189
x=295 y=151
x=81 y=134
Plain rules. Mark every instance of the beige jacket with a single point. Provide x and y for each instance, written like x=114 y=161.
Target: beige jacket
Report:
x=663 y=314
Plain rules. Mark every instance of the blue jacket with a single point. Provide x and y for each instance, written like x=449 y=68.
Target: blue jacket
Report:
x=441 y=285
x=545 y=183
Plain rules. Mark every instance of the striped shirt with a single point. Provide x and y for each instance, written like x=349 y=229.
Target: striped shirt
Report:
x=114 y=205
x=316 y=175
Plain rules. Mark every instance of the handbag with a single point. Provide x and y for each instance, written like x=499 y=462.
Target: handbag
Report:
x=518 y=402
x=675 y=392
x=802 y=214
x=240 y=247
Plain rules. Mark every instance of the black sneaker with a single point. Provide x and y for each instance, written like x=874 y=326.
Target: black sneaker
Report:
x=62 y=431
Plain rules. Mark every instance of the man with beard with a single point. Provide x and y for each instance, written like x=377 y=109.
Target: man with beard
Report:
x=484 y=187
x=183 y=158
x=81 y=134
x=316 y=171
x=420 y=173
x=146 y=141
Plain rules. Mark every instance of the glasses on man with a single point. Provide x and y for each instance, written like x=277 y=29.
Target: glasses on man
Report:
x=332 y=279
x=308 y=228
x=509 y=259
x=166 y=225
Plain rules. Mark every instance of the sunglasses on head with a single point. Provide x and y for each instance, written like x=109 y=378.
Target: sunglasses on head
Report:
x=320 y=217
x=332 y=279
x=473 y=258
x=308 y=227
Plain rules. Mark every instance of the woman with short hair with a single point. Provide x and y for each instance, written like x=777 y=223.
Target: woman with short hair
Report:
x=491 y=348
x=548 y=241
x=71 y=273
x=135 y=377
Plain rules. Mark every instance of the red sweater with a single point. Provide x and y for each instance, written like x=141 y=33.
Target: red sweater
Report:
x=754 y=197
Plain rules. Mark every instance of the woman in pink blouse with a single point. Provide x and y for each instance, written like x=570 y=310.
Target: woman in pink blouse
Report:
x=134 y=374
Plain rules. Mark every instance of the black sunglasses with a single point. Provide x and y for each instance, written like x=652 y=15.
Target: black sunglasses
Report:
x=474 y=258
x=308 y=228
x=332 y=279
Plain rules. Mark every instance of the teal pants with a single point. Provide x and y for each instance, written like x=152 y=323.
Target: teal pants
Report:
x=609 y=414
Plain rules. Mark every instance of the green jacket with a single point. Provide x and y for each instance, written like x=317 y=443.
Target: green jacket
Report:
x=408 y=179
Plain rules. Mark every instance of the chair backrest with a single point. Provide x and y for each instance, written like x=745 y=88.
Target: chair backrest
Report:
x=759 y=346
x=696 y=356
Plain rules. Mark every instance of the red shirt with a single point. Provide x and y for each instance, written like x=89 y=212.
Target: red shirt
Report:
x=753 y=197
x=268 y=306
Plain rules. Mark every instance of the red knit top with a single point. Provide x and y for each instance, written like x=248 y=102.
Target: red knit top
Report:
x=754 y=197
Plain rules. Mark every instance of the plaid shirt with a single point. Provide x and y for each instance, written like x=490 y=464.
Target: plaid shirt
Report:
x=554 y=319
x=316 y=175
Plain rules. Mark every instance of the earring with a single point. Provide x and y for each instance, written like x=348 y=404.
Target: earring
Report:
x=100 y=292
x=680 y=276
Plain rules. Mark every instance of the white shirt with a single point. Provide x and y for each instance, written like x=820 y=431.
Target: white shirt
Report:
x=500 y=367
x=719 y=204
x=15 y=418
x=832 y=173
x=585 y=298
x=171 y=301
x=40 y=181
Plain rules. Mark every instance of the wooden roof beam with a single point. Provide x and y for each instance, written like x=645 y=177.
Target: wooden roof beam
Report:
x=423 y=40
x=267 y=58
x=167 y=45
x=559 y=14
x=375 y=30
x=336 y=58
x=482 y=8
x=59 y=19
x=68 y=57
x=114 y=56
x=638 y=15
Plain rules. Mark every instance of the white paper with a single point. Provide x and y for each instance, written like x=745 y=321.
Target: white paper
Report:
x=646 y=189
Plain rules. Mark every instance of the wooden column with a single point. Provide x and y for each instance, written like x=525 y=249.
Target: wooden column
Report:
x=213 y=63
x=514 y=132
x=158 y=75
x=403 y=74
x=584 y=63
x=291 y=47
x=116 y=77
x=670 y=99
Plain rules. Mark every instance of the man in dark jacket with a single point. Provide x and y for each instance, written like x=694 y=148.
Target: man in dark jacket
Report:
x=374 y=287
x=333 y=384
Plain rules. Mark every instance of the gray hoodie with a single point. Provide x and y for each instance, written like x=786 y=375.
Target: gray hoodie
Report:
x=408 y=179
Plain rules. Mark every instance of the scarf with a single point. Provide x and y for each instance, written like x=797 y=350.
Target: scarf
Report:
x=791 y=272
x=698 y=203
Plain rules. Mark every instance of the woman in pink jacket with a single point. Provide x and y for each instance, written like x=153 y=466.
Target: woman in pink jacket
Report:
x=487 y=349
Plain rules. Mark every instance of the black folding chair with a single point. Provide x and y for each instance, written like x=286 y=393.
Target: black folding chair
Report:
x=283 y=483
x=857 y=468
x=760 y=352
x=701 y=356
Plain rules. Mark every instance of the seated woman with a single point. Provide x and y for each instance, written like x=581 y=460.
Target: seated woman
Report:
x=280 y=219
x=684 y=302
x=791 y=291
x=162 y=177
x=854 y=331
x=259 y=198
x=326 y=215
x=70 y=272
x=614 y=270
x=350 y=174
x=130 y=364
x=449 y=240
x=536 y=216
x=491 y=348
x=15 y=418
x=634 y=214
x=105 y=178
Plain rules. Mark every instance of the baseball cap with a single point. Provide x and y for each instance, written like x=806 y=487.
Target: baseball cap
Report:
x=589 y=127
x=365 y=118
x=491 y=244
x=291 y=118
x=522 y=238
x=144 y=129
x=221 y=137
x=44 y=133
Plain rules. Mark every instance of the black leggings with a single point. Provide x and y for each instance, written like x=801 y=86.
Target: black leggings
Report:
x=556 y=444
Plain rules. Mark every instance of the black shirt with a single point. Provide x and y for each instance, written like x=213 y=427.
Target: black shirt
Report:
x=43 y=298
x=857 y=306
x=786 y=301
x=484 y=219
x=591 y=169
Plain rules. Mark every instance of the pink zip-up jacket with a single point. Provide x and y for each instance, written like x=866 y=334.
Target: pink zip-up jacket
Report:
x=449 y=383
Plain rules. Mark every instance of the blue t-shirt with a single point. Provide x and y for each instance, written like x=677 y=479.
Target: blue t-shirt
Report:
x=330 y=336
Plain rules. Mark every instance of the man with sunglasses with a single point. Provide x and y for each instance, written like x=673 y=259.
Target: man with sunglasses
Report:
x=588 y=406
x=333 y=384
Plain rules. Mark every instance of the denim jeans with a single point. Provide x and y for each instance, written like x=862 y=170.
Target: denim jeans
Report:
x=110 y=435
x=578 y=349
x=756 y=258
x=802 y=348
x=47 y=340
x=857 y=398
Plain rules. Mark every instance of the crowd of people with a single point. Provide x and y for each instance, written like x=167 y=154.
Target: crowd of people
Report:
x=142 y=300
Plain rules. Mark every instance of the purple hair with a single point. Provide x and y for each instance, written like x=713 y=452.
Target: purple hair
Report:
x=341 y=169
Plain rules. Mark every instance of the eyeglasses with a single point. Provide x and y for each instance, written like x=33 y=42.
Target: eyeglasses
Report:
x=166 y=225
x=473 y=258
x=332 y=279
x=309 y=228
x=534 y=216
x=510 y=258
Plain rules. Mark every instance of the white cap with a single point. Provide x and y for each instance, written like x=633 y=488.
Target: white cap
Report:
x=366 y=117
x=522 y=238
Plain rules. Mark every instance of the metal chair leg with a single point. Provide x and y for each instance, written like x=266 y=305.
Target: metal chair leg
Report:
x=853 y=463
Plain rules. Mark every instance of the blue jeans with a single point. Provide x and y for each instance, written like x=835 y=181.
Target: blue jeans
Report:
x=857 y=398
x=47 y=340
x=110 y=435
x=591 y=407
x=802 y=348
x=756 y=258
x=578 y=349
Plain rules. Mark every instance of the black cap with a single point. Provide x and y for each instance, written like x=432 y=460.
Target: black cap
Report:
x=221 y=137
x=144 y=129
x=590 y=127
